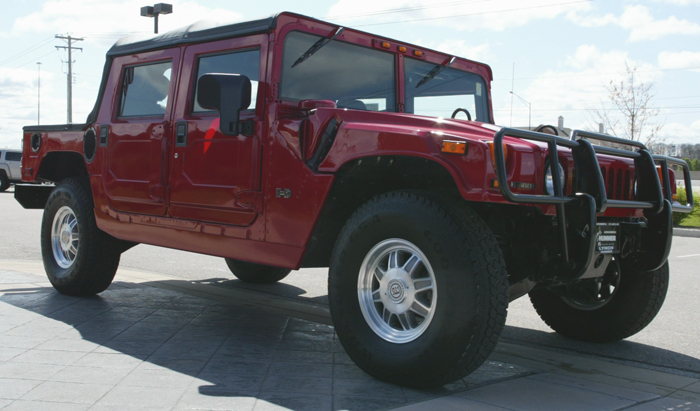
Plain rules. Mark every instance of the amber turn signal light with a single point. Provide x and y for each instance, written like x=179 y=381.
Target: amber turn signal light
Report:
x=454 y=147
x=493 y=153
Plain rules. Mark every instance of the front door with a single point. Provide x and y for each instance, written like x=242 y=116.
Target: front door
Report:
x=137 y=137
x=215 y=177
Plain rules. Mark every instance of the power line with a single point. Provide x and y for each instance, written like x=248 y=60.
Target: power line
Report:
x=35 y=60
x=27 y=51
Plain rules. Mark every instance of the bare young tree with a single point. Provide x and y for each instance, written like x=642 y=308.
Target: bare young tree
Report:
x=631 y=116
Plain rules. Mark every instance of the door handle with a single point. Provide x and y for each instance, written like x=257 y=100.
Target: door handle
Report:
x=181 y=131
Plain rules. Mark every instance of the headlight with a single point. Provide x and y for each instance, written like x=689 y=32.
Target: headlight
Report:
x=548 y=181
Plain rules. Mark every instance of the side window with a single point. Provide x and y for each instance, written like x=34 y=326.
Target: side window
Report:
x=246 y=63
x=145 y=90
x=13 y=156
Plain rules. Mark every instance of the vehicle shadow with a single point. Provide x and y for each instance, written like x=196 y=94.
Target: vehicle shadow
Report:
x=624 y=351
x=219 y=355
x=278 y=289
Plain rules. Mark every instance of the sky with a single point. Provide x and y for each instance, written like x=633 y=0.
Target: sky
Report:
x=557 y=56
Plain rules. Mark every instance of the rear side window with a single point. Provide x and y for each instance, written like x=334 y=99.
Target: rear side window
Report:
x=13 y=156
x=145 y=90
x=246 y=63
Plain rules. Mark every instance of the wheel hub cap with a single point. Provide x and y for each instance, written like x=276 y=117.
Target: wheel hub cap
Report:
x=64 y=237
x=397 y=291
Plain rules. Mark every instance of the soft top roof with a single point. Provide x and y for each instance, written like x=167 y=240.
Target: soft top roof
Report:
x=194 y=33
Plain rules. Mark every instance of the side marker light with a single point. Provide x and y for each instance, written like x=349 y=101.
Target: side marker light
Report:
x=454 y=147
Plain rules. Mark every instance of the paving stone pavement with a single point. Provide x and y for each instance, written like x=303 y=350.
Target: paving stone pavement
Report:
x=139 y=347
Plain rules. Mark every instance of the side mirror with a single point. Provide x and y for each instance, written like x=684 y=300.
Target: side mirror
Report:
x=228 y=94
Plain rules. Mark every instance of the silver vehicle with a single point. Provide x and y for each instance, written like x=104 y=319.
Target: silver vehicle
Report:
x=10 y=168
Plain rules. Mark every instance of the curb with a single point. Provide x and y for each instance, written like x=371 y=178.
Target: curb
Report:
x=686 y=232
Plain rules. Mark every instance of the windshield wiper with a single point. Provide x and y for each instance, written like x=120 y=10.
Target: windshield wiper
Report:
x=316 y=47
x=434 y=72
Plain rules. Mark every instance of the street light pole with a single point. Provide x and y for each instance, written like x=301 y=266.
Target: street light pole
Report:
x=529 y=115
x=154 y=11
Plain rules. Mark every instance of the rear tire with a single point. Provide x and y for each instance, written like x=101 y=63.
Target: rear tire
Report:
x=440 y=306
x=79 y=258
x=4 y=182
x=256 y=273
x=624 y=307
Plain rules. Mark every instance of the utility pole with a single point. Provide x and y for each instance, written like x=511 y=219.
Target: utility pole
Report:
x=70 y=48
x=38 y=95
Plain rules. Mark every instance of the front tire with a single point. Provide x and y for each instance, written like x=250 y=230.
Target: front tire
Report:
x=417 y=289
x=256 y=273
x=614 y=307
x=79 y=258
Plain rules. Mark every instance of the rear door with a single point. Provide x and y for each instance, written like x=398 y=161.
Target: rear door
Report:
x=137 y=136
x=215 y=177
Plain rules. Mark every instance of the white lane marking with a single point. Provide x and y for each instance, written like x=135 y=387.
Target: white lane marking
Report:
x=686 y=256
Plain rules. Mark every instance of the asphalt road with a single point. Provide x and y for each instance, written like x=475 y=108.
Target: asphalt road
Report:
x=669 y=343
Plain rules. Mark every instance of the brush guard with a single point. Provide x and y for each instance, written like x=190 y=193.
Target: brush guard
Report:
x=577 y=221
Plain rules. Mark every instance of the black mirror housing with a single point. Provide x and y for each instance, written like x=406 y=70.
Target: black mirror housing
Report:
x=228 y=94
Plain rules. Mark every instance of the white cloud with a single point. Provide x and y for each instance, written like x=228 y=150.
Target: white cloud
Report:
x=463 y=49
x=18 y=93
x=573 y=89
x=108 y=20
x=681 y=133
x=679 y=2
x=472 y=15
x=682 y=59
x=640 y=23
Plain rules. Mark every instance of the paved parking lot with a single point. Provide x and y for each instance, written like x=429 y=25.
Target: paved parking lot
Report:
x=142 y=346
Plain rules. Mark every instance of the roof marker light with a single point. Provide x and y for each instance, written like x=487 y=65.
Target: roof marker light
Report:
x=386 y=44
x=417 y=53
x=402 y=49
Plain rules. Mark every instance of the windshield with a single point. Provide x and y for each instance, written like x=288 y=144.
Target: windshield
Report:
x=449 y=90
x=352 y=76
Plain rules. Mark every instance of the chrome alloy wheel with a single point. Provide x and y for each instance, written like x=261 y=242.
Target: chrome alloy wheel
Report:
x=65 y=238
x=397 y=291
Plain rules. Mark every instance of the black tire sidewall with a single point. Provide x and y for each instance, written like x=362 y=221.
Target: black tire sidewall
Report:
x=458 y=316
x=74 y=280
x=637 y=300
x=4 y=181
x=256 y=273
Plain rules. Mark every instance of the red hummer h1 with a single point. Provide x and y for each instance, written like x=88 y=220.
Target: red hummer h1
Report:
x=290 y=142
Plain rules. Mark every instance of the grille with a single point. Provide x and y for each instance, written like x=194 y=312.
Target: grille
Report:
x=618 y=183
